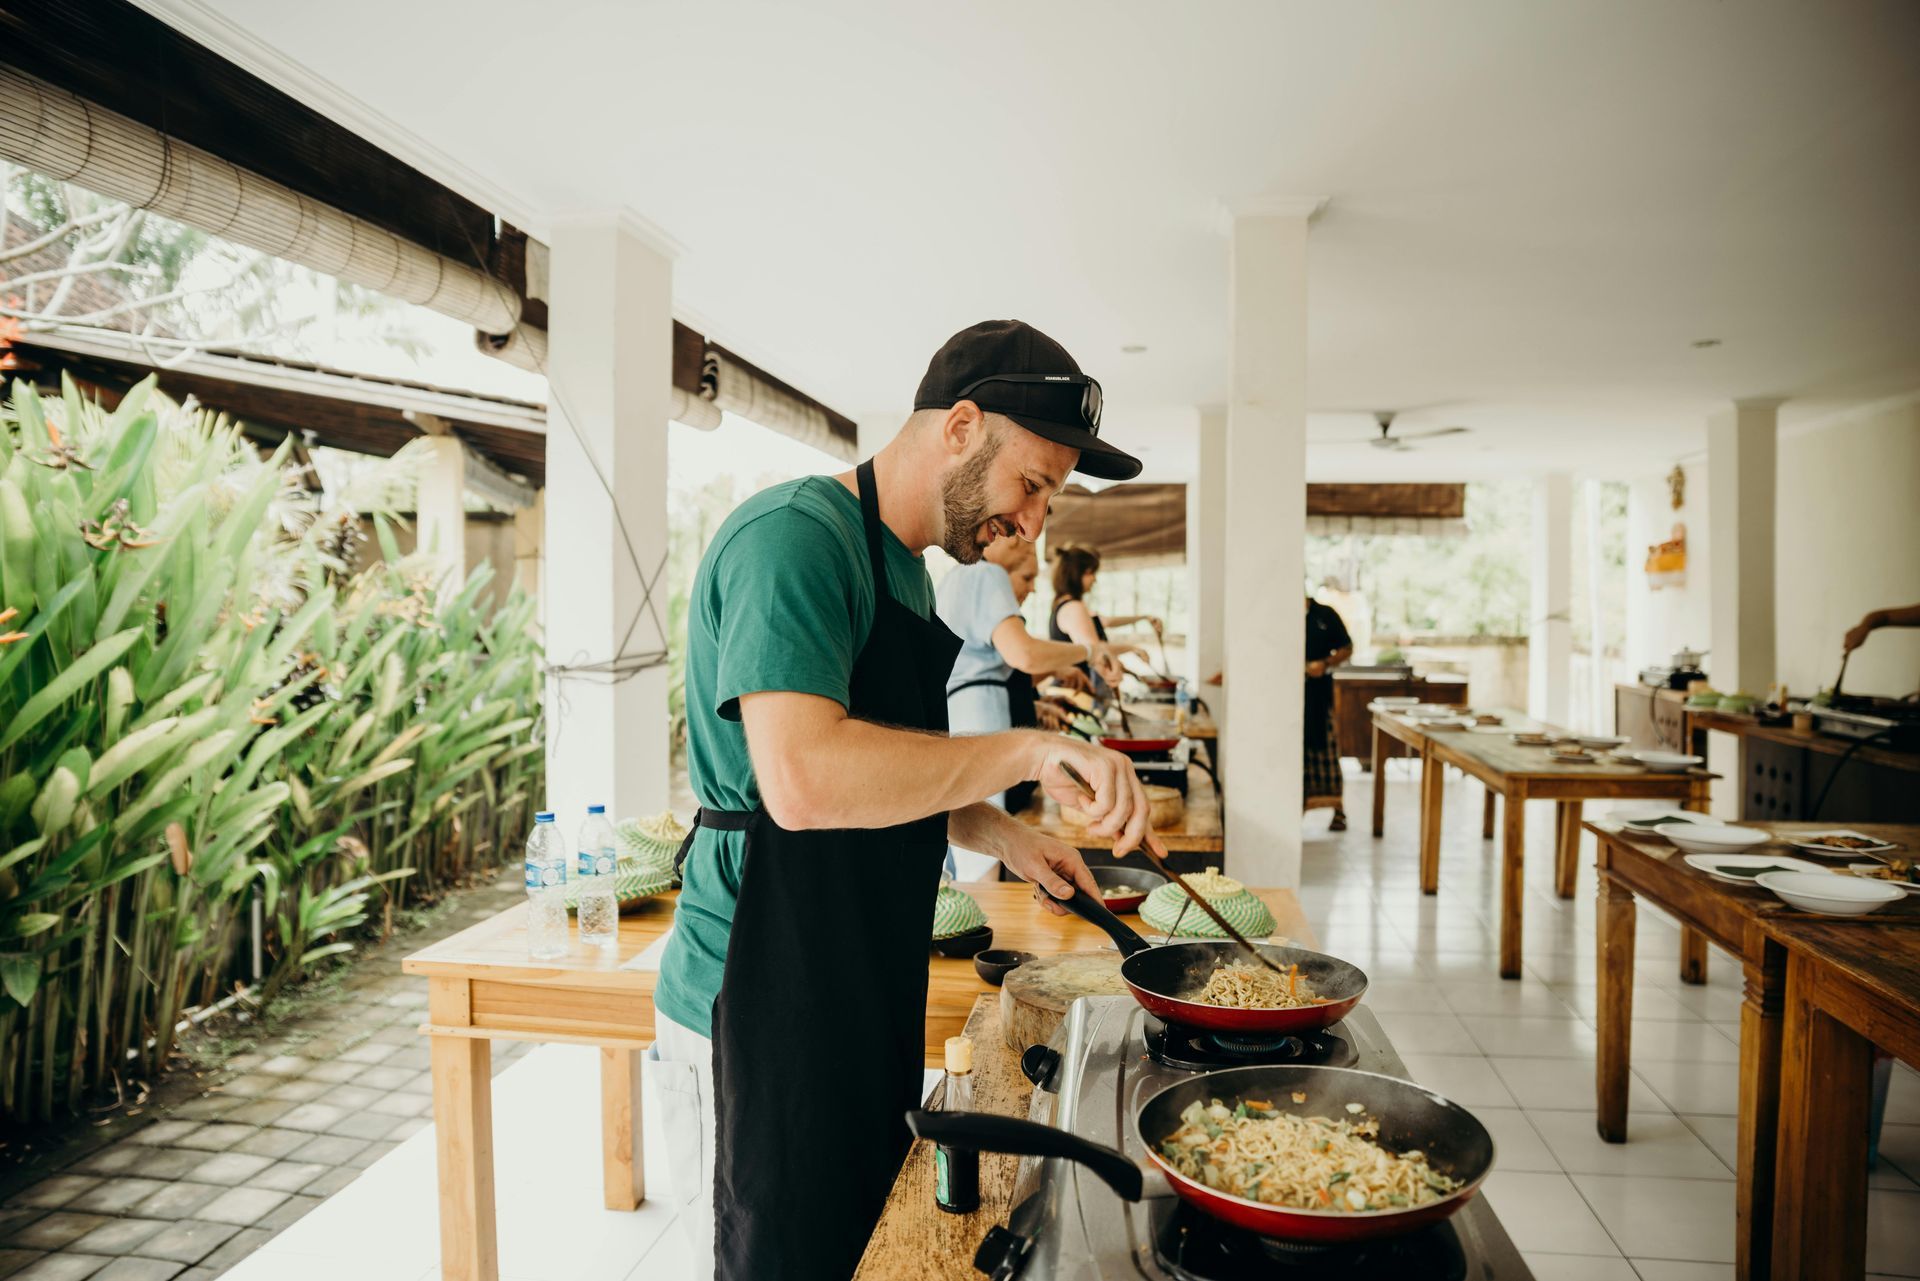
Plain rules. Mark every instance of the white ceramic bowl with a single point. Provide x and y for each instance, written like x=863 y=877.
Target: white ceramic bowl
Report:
x=1830 y=895
x=1601 y=742
x=1712 y=838
x=1665 y=762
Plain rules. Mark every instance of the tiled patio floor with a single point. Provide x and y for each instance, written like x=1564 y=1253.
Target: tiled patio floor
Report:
x=211 y=1179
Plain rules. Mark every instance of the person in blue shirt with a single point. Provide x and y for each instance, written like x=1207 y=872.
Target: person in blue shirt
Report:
x=992 y=685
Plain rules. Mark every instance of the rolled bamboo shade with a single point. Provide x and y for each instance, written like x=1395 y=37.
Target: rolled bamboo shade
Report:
x=58 y=134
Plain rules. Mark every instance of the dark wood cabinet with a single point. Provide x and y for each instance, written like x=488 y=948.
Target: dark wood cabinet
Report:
x=1353 y=723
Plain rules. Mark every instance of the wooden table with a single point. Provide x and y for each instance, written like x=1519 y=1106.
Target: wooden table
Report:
x=916 y=1239
x=1519 y=774
x=1735 y=917
x=1851 y=985
x=482 y=987
x=1200 y=832
x=1354 y=694
x=1388 y=730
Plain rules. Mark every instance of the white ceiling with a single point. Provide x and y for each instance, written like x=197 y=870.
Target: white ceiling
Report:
x=1534 y=210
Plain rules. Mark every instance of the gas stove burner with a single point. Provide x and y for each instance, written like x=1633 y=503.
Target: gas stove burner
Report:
x=1192 y=1246
x=1200 y=1051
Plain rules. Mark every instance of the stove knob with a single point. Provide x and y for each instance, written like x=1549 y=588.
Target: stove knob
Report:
x=1040 y=1063
x=1001 y=1253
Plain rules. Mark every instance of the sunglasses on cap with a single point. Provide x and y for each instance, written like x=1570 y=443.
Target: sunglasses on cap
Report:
x=1089 y=392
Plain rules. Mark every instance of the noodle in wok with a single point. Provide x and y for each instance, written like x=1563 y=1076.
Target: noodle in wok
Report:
x=1255 y=1151
x=1240 y=986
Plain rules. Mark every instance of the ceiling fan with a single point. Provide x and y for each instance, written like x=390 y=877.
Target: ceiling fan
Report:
x=1404 y=441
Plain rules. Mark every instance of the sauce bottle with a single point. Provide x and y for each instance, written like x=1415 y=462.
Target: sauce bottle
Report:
x=956 y=1171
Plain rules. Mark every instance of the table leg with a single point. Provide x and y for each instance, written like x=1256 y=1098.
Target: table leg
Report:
x=622 y=1165
x=1693 y=955
x=1379 y=781
x=1486 y=817
x=1615 y=979
x=1433 y=783
x=1566 y=852
x=1759 y=1112
x=463 y=1139
x=1821 y=1170
x=1513 y=861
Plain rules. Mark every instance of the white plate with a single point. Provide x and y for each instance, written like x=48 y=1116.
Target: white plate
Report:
x=1645 y=825
x=1714 y=838
x=1830 y=895
x=1664 y=762
x=1434 y=709
x=1813 y=841
x=1857 y=868
x=1715 y=865
x=1600 y=742
x=1488 y=729
x=1396 y=701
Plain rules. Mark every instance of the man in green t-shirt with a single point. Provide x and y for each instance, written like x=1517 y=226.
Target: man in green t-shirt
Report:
x=810 y=639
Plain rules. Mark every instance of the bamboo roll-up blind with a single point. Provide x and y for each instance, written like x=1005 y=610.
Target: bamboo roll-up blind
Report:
x=739 y=390
x=61 y=135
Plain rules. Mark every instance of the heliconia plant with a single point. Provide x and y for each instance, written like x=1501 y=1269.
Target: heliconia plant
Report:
x=198 y=704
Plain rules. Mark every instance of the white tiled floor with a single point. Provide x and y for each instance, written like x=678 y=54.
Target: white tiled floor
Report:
x=1658 y=1208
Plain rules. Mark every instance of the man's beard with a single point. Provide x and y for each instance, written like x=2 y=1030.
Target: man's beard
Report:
x=964 y=496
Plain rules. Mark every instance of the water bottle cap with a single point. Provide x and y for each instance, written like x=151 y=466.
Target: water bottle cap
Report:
x=596 y=809
x=544 y=816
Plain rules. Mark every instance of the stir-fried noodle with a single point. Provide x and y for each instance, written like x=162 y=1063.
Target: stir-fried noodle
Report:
x=1241 y=985
x=1255 y=1151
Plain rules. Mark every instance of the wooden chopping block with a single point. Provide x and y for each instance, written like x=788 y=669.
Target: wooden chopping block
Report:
x=1165 y=808
x=1035 y=997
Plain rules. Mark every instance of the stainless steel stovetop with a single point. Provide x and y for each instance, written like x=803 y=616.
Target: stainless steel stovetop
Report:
x=1067 y=1225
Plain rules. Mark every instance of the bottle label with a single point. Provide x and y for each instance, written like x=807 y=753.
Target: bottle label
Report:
x=532 y=874
x=554 y=873
x=942 y=1177
x=597 y=862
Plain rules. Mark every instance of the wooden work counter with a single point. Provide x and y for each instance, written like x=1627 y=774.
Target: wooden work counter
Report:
x=1201 y=832
x=1353 y=695
x=1633 y=866
x=482 y=987
x=914 y=1237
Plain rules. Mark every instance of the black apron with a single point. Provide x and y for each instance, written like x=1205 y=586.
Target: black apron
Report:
x=1021 y=700
x=1059 y=633
x=819 y=1028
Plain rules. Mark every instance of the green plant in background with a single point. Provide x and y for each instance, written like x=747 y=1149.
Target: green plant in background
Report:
x=196 y=704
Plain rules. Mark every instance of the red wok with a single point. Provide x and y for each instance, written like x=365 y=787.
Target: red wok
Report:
x=1164 y=979
x=1411 y=1119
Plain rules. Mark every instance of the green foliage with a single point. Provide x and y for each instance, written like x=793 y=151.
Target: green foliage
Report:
x=196 y=707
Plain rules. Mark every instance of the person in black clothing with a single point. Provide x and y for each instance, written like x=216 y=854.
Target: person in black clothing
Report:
x=1328 y=646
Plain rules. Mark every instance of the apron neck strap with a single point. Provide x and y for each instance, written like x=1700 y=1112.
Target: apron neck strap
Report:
x=870 y=516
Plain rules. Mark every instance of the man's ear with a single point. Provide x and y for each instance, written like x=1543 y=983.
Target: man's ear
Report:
x=962 y=425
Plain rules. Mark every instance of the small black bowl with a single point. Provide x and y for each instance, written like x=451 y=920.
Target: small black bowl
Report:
x=996 y=963
x=962 y=945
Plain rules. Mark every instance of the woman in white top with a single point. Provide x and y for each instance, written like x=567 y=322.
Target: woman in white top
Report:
x=991 y=688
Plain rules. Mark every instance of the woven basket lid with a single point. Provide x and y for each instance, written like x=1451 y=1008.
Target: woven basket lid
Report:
x=1227 y=896
x=651 y=842
x=955 y=912
x=631 y=883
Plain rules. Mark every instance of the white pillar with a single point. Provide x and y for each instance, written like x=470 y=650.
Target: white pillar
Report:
x=1550 y=637
x=610 y=376
x=1266 y=486
x=440 y=506
x=1742 y=450
x=1206 y=560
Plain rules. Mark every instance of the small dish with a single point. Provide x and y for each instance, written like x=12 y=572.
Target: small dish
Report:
x=1138 y=882
x=1822 y=843
x=1664 y=762
x=972 y=943
x=1714 y=838
x=1830 y=895
x=1570 y=757
x=1883 y=874
x=1600 y=742
x=995 y=963
x=1533 y=738
x=1745 y=869
x=1657 y=824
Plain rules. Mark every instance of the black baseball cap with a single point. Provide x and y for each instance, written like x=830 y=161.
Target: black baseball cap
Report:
x=1009 y=367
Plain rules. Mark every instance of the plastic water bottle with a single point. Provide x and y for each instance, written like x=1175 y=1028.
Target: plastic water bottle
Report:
x=1182 y=702
x=594 y=898
x=546 y=889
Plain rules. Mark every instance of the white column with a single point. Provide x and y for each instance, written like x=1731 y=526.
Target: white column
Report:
x=609 y=371
x=1550 y=636
x=1742 y=449
x=1206 y=559
x=1266 y=486
x=440 y=506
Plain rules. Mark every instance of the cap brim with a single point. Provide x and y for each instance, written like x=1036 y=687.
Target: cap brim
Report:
x=1097 y=457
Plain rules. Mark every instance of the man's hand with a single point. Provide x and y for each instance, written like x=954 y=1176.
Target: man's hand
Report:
x=1317 y=667
x=1857 y=636
x=1106 y=658
x=1118 y=808
x=1053 y=716
x=1072 y=678
x=1052 y=867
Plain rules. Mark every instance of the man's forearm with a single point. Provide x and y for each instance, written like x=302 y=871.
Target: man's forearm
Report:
x=980 y=827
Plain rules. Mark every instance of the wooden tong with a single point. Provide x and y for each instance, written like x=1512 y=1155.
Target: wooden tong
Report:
x=1086 y=789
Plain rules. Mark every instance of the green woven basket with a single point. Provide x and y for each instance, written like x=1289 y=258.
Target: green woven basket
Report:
x=650 y=843
x=1234 y=901
x=955 y=912
x=632 y=886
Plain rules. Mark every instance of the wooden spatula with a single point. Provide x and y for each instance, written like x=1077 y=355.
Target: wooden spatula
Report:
x=1086 y=789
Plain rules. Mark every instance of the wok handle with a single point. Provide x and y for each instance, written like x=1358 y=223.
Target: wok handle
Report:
x=1092 y=910
x=986 y=1132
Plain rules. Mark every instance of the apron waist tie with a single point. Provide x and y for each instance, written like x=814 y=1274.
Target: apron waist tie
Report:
x=719 y=821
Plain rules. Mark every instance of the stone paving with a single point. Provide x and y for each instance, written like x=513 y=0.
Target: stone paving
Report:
x=201 y=1185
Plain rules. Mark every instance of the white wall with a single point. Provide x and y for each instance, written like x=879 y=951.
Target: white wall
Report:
x=1659 y=622
x=1848 y=541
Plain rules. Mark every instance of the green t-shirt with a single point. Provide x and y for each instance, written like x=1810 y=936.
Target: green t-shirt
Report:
x=783 y=600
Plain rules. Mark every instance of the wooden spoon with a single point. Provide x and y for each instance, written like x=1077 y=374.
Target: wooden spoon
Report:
x=1086 y=789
